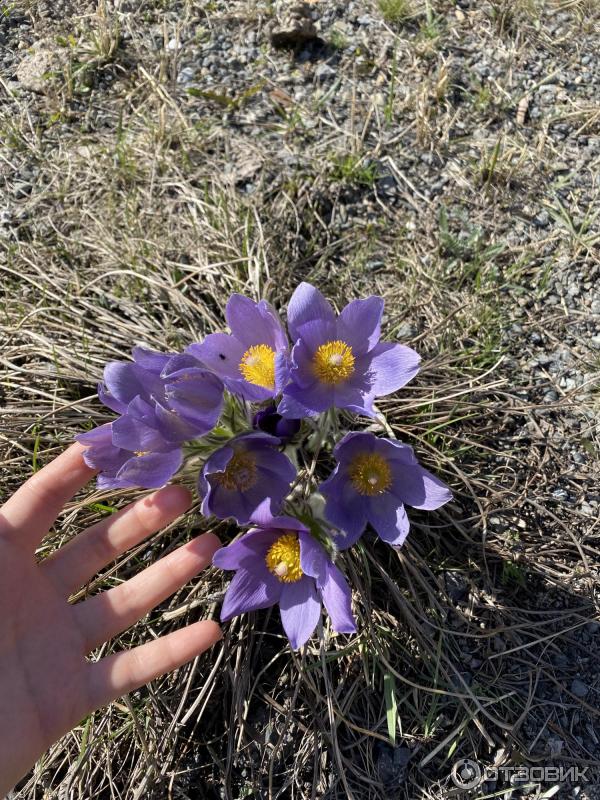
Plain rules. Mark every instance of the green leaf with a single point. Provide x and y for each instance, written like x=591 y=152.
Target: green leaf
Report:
x=103 y=508
x=391 y=709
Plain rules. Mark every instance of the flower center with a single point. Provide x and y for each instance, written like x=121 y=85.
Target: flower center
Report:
x=333 y=362
x=140 y=453
x=370 y=474
x=258 y=365
x=240 y=474
x=283 y=558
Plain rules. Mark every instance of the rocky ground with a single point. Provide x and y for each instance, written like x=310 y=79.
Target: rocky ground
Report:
x=155 y=157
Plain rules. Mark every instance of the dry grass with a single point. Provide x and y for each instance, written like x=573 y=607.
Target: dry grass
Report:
x=137 y=229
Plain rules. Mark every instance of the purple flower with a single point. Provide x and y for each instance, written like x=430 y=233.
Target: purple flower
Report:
x=239 y=477
x=340 y=362
x=269 y=421
x=185 y=398
x=280 y=562
x=372 y=481
x=252 y=359
x=136 y=464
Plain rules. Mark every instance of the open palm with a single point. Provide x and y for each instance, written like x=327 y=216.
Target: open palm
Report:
x=46 y=683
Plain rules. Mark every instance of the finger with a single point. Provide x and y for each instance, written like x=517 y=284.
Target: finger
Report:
x=103 y=616
x=80 y=559
x=30 y=513
x=123 y=672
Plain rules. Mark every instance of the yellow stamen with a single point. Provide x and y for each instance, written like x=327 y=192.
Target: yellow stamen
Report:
x=334 y=362
x=141 y=452
x=370 y=474
x=240 y=473
x=283 y=558
x=258 y=365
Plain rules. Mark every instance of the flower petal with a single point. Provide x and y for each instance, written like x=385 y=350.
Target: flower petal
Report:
x=151 y=471
x=132 y=433
x=290 y=408
x=353 y=443
x=388 y=516
x=249 y=592
x=100 y=452
x=302 y=371
x=359 y=324
x=254 y=323
x=197 y=396
x=152 y=360
x=313 y=558
x=392 y=366
x=246 y=550
x=344 y=508
x=111 y=402
x=282 y=370
x=304 y=401
x=220 y=352
x=354 y=397
x=300 y=610
x=418 y=488
x=125 y=381
x=277 y=465
x=337 y=599
x=307 y=304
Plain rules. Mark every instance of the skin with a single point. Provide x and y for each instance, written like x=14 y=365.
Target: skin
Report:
x=47 y=686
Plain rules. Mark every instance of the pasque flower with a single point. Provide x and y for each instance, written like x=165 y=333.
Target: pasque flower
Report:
x=269 y=421
x=373 y=480
x=239 y=477
x=280 y=562
x=339 y=361
x=131 y=451
x=163 y=399
x=185 y=398
x=251 y=360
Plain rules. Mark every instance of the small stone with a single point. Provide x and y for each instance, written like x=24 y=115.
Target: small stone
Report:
x=41 y=67
x=186 y=75
x=324 y=72
x=555 y=745
x=174 y=44
x=560 y=494
x=22 y=189
x=456 y=585
x=295 y=27
x=391 y=763
x=406 y=331
x=578 y=688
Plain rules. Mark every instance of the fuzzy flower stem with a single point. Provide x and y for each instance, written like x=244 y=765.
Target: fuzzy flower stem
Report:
x=322 y=432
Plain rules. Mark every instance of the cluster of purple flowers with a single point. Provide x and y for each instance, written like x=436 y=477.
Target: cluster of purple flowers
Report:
x=278 y=388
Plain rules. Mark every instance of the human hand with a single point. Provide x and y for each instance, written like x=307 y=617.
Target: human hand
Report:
x=46 y=684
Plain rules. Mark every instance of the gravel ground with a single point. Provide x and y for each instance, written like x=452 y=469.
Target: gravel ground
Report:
x=448 y=160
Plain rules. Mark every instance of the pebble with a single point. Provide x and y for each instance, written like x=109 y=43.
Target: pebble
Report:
x=579 y=688
x=324 y=72
x=186 y=75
